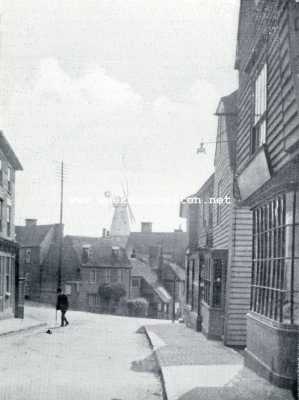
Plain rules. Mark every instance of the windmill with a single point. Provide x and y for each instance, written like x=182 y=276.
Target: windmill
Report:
x=123 y=215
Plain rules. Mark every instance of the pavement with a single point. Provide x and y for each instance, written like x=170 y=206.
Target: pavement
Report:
x=11 y=326
x=96 y=357
x=195 y=368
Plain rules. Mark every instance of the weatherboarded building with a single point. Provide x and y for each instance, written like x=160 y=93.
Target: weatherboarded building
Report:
x=268 y=179
x=219 y=253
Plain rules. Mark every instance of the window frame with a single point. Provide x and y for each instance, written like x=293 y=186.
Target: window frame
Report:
x=260 y=108
x=269 y=290
x=134 y=280
x=8 y=219
x=28 y=254
x=92 y=276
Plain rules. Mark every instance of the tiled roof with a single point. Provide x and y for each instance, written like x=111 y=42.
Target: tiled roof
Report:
x=101 y=253
x=177 y=270
x=163 y=294
x=143 y=270
x=32 y=236
x=169 y=241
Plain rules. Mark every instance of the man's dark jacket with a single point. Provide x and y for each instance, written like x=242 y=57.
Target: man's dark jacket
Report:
x=62 y=302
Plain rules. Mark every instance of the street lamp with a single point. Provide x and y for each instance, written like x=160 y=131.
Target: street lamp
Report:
x=201 y=149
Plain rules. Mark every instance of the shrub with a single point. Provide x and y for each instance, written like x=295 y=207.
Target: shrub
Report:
x=118 y=291
x=137 y=307
x=111 y=294
x=105 y=292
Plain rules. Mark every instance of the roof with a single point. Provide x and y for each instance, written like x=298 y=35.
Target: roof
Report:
x=143 y=270
x=101 y=253
x=9 y=153
x=169 y=241
x=163 y=294
x=184 y=205
x=32 y=236
x=176 y=269
x=230 y=111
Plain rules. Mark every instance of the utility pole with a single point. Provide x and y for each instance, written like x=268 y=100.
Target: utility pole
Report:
x=61 y=226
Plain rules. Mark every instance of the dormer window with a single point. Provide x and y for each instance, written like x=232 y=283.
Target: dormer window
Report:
x=86 y=253
x=116 y=251
x=259 y=130
x=28 y=256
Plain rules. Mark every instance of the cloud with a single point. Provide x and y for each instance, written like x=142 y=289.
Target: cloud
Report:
x=90 y=119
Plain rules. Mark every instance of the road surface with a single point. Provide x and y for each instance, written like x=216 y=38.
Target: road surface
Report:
x=89 y=359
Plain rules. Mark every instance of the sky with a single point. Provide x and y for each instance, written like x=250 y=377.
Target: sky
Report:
x=120 y=91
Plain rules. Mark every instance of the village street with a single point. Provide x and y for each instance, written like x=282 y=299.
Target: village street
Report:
x=89 y=359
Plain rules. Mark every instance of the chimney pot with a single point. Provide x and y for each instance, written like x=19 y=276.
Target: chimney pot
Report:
x=146 y=227
x=30 y=222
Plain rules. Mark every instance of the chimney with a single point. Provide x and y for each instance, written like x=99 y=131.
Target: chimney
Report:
x=30 y=222
x=146 y=227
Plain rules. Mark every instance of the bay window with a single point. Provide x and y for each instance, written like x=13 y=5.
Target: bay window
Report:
x=275 y=279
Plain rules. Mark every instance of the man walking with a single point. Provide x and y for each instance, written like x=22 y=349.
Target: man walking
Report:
x=62 y=304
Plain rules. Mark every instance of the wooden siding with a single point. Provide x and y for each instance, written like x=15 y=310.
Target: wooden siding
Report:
x=223 y=174
x=238 y=277
x=282 y=107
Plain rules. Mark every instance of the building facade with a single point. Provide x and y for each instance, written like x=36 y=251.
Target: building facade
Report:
x=39 y=259
x=268 y=179
x=89 y=263
x=219 y=256
x=11 y=277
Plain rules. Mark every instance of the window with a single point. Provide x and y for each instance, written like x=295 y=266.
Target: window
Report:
x=107 y=278
x=92 y=276
x=27 y=256
x=187 y=282
x=86 y=253
x=8 y=275
x=217 y=282
x=259 y=131
x=9 y=179
x=268 y=276
x=1 y=215
x=114 y=275
x=212 y=280
x=206 y=281
x=8 y=220
x=194 y=292
x=93 y=299
x=135 y=283
x=122 y=275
